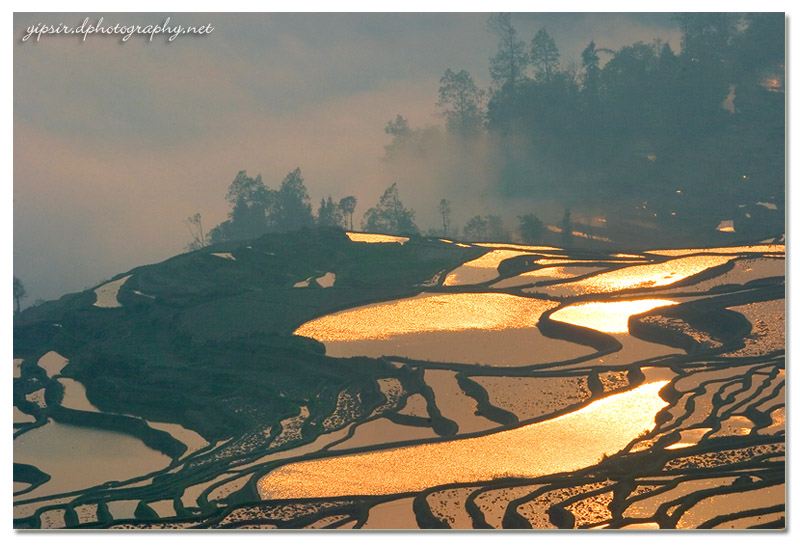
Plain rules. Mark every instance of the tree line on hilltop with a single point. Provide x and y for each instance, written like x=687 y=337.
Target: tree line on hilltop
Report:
x=697 y=132
x=689 y=135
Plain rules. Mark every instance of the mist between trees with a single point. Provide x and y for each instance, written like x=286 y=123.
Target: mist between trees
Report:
x=663 y=140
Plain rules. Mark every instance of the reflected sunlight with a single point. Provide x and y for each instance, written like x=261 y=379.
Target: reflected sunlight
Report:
x=481 y=269
x=646 y=276
x=608 y=317
x=428 y=312
x=565 y=443
x=761 y=248
x=375 y=238
x=517 y=246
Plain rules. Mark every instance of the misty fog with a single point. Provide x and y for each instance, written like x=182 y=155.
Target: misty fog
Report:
x=116 y=144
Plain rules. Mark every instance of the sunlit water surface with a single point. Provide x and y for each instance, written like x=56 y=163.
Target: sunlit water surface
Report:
x=544 y=274
x=641 y=276
x=759 y=248
x=525 y=247
x=566 y=443
x=481 y=269
x=608 y=317
x=375 y=238
x=428 y=312
x=487 y=328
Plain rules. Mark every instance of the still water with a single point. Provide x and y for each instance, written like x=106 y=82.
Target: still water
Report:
x=77 y=457
x=641 y=276
x=485 y=328
x=608 y=317
x=375 y=238
x=565 y=443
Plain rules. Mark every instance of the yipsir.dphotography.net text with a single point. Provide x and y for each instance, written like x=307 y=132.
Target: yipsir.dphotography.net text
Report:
x=125 y=31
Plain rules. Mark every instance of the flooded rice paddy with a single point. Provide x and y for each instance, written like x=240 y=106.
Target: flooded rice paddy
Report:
x=566 y=443
x=65 y=452
x=107 y=293
x=373 y=238
x=428 y=313
x=546 y=274
x=628 y=390
x=481 y=269
x=652 y=275
x=607 y=316
x=52 y=363
x=770 y=249
x=476 y=328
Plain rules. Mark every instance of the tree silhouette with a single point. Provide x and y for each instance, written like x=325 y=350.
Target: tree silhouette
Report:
x=292 y=204
x=251 y=202
x=195 y=225
x=329 y=214
x=647 y=124
x=531 y=228
x=706 y=36
x=401 y=134
x=590 y=63
x=444 y=210
x=398 y=127
x=507 y=66
x=461 y=102
x=476 y=229
x=247 y=189
x=19 y=293
x=544 y=55
x=566 y=227
x=495 y=228
x=389 y=215
x=348 y=207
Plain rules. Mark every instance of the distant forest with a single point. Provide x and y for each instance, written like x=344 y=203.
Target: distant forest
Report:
x=692 y=138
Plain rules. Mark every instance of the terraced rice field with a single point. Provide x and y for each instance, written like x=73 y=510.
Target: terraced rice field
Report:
x=643 y=394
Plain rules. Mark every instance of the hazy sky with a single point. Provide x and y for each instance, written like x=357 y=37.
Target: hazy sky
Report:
x=115 y=144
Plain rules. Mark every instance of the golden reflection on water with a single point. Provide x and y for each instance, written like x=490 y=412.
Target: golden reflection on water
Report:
x=552 y=272
x=646 y=276
x=517 y=246
x=456 y=243
x=608 y=317
x=547 y=273
x=565 y=261
x=428 y=312
x=726 y=226
x=493 y=259
x=689 y=438
x=565 y=443
x=375 y=238
x=760 y=248
x=641 y=526
x=481 y=269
